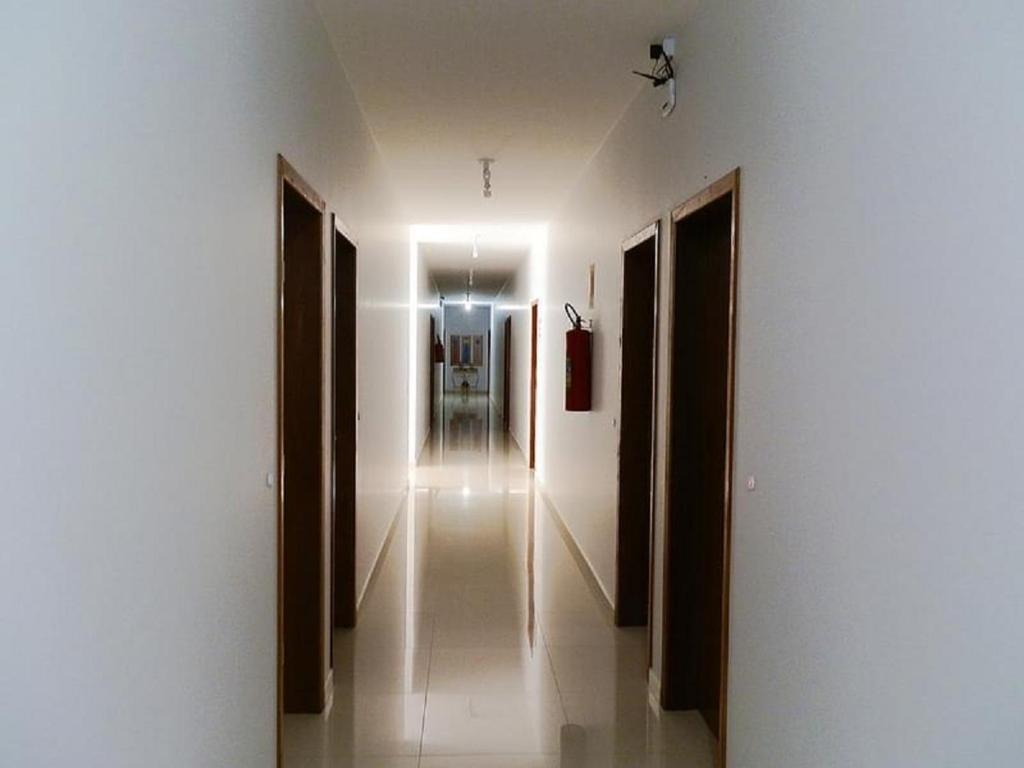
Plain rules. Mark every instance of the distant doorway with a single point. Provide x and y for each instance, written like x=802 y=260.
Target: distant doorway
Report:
x=699 y=467
x=468 y=348
x=636 y=426
x=533 y=385
x=506 y=406
x=343 y=456
x=301 y=577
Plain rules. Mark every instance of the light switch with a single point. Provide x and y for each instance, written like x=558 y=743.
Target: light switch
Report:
x=270 y=479
x=751 y=483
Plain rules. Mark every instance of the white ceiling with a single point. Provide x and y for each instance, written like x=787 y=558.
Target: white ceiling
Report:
x=536 y=84
x=449 y=264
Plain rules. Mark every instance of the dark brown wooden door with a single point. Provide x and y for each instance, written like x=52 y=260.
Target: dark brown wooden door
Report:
x=636 y=431
x=303 y=513
x=344 y=448
x=699 y=478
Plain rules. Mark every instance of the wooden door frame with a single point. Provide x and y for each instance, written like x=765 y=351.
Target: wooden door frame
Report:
x=534 y=341
x=286 y=174
x=728 y=184
x=651 y=230
x=338 y=228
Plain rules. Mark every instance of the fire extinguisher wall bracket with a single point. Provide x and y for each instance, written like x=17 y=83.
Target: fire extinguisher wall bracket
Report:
x=578 y=357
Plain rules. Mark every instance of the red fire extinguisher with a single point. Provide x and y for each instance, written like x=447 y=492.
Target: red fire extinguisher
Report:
x=577 y=362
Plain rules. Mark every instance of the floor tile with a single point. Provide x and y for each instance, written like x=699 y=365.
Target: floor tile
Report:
x=491 y=761
x=626 y=725
x=381 y=670
x=353 y=761
x=515 y=671
x=599 y=669
x=381 y=724
x=489 y=649
x=578 y=628
x=491 y=724
x=386 y=630
x=510 y=632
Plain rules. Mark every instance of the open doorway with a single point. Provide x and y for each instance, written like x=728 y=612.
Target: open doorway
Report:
x=343 y=456
x=301 y=578
x=468 y=328
x=699 y=468
x=637 y=376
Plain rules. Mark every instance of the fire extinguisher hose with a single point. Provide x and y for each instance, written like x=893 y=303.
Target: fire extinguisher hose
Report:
x=573 y=315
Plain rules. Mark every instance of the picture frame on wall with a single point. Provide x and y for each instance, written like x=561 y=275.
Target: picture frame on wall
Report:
x=467 y=349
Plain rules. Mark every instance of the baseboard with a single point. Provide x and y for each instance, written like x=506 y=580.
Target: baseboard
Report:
x=423 y=446
x=328 y=692
x=654 y=692
x=381 y=551
x=519 y=447
x=585 y=566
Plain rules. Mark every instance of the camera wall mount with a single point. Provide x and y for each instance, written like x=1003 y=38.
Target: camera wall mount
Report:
x=663 y=72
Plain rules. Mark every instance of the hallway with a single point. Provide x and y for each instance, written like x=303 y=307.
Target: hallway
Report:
x=480 y=643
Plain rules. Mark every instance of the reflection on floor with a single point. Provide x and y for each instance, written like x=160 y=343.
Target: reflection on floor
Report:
x=465 y=426
x=480 y=643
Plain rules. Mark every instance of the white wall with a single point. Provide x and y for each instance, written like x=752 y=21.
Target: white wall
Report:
x=877 y=579
x=514 y=301
x=428 y=306
x=138 y=398
x=476 y=322
x=581 y=470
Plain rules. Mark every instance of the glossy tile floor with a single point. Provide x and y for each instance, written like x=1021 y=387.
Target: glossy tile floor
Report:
x=480 y=643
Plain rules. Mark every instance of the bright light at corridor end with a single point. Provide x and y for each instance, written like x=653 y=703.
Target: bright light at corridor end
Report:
x=480 y=234
x=533 y=236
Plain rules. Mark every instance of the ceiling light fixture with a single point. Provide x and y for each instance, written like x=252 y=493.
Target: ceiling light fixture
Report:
x=486 y=163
